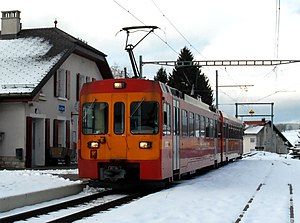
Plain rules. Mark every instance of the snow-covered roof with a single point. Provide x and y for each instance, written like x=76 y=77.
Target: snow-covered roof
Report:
x=23 y=64
x=253 y=130
x=293 y=136
x=30 y=58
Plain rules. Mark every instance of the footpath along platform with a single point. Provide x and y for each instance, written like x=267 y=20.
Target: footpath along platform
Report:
x=27 y=187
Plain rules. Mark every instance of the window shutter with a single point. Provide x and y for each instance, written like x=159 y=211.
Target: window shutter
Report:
x=77 y=86
x=68 y=80
x=68 y=133
x=55 y=133
x=55 y=84
x=47 y=140
x=28 y=159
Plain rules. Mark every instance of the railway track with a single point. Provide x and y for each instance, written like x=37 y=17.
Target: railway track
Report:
x=290 y=208
x=285 y=194
x=245 y=209
x=78 y=208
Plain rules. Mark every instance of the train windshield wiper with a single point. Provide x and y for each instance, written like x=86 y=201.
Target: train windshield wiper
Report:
x=137 y=107
x=88 y=109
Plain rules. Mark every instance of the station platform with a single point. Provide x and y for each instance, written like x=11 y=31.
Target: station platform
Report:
x=33 y=194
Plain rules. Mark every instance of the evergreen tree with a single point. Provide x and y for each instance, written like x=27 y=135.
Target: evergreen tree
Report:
x=190 y=80
x=161 y=75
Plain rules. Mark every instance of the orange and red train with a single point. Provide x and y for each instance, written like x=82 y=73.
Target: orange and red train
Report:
x=143 y=130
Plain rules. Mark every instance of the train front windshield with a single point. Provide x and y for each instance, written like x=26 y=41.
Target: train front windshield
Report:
x=95 y=118
x=144 y=117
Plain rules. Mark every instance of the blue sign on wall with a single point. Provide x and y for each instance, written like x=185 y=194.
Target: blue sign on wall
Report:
x=61 y=108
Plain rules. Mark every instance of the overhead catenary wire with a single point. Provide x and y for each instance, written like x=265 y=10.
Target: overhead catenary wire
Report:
x=181 y=34
x=165 y=42
x=177 y=30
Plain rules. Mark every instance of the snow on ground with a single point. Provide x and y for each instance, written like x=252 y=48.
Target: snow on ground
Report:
x=15 y=182
x=221 y=195
x=216 y=196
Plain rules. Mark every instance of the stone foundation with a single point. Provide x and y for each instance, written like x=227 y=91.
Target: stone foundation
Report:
x=11 y=162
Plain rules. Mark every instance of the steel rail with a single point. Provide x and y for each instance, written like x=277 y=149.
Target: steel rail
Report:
x=55 y=207
x=99 y=208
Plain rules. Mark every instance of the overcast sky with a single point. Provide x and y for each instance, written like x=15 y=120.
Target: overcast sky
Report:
x=212 y=29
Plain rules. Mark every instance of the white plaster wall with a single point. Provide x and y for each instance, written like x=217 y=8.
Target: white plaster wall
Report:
x=13 y=115
x=247 y=144
x=75 y=64
x=13 y=124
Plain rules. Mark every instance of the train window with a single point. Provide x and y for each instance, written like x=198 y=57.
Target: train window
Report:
x=207 y=124
x=202 y=126
x=144 y=117
x=211 y=128
x=197 y=125
x=119 y=117
x=217 y=129
x=184 y=123
x=176 y=114
x=95 y=118
x=167 y=119
x=191 y=124
x=225 y=131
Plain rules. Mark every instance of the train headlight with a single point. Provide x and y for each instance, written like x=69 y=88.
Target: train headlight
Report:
x=119 y=85
x=145 y=145
x=93 y=144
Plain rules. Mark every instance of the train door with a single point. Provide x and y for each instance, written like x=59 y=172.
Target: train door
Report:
x=221 y=139
x=176 y=112
x=117 y=144
x=213 y=126
x=226 y=137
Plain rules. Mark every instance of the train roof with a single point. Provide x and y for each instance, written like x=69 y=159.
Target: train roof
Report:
x=132 y=85
x=185 y=97
x=143 y=85
x=231 y=118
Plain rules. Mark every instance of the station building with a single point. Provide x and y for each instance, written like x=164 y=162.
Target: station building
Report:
x=41 y=74
x=264 y=136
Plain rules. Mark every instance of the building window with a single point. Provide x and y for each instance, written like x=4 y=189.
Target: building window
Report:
x=80 y=80
x=59 y=133
x=88 y=79
x=252 y=140
x=62 y=84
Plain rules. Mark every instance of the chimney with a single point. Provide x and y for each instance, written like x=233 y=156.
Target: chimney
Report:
x=10 y=22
